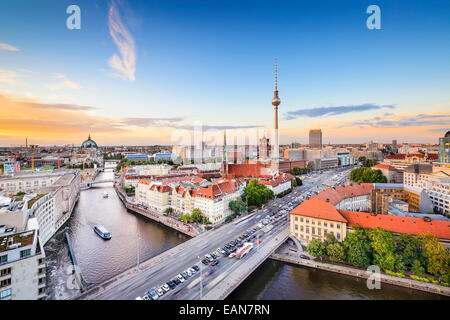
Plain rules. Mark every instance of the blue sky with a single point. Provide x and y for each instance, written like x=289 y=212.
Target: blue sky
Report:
x=213 y=61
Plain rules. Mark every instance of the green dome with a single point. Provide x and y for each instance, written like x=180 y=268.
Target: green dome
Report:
x=89 y=143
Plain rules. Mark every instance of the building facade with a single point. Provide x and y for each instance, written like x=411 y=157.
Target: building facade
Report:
x=315 y=138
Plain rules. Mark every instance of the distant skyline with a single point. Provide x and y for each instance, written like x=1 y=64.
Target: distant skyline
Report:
x=139 y=71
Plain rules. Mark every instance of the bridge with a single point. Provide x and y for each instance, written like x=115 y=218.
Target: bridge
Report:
x=210 y=282
x=90 y=184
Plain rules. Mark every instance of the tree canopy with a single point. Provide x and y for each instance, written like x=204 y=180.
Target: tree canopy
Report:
x=367 y=175
x=256 y=193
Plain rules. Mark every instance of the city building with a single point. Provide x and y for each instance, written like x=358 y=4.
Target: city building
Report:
x=345 y=159
x=354 y=196
x=392 y=174
x=444 y=148
x=278 y=184
x=314 y=219
x=417 y=198
x=315 y=138
x=439 y=192
x=22 y=265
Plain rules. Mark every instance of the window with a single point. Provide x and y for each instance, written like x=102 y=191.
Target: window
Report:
x=338 y=226
x=4 y=258
x=5 y=282
x=307 y=229
x=41 y=291
x=25 y=253
x=41 y=270
x=5 y=293
x=313 y=222
x=301 y=228
x=313 y=230
x=325 y=224
x=5 y=272
x=301 y=219
x=296 y=227
x=307 y=220
x=338 y=236
x=41 y=281
x=331 y=225
x=296 y=218
x=319 y=223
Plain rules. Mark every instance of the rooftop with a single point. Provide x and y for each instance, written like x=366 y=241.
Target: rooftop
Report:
x=17 y=240
x=337 y=194
x=415 y=226
x=317 y=208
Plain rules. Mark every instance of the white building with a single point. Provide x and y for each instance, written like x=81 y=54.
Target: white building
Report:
x=278 y=184
x=439 y=192
x=22 y=266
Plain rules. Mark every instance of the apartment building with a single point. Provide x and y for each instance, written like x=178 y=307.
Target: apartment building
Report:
x=22 y=266
x=314 y=219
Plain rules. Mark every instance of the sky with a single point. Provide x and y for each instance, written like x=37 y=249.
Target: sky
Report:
x=146 y=72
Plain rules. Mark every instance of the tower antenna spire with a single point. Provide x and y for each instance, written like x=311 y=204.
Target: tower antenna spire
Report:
x=276 y=80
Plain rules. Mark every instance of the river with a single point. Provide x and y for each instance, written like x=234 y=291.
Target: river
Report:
x=100 y=260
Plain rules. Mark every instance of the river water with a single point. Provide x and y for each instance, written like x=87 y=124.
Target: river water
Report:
x=100 y=260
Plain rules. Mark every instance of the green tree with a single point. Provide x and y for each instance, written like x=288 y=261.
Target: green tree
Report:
x=417 y=268
x=169 y=210
x=367 y=175
x=437 y=257
x=336 y=251
x=330 y=239
x=382 y=242
x=238 y=206
x=357 y=247
x=316 y=248
x=256 y=193
x=407 y=250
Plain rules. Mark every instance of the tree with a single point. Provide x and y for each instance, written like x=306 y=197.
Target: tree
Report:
x=417 y=268
x=336 y=251
x=316 y=248
x=382 y=242
x=169 y=210
x=437 y=258
x=330 y=239
x=197 y=216
x=367 y=175
x=298 y=181
x=407 y=250
x=238 y=206
x=357 y=248
x=256 y=193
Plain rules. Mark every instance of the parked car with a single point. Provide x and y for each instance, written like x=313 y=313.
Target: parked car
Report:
x=180 y=277
x=146 y=297
x=153 y=294
x=160 y=291
x=232 y=255
x=185 y=274
x=195 y=267
x=171 y=284
x=205 y=261
x=176 y=281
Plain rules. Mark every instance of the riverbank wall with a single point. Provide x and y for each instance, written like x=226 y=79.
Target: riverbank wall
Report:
x=167 y=221
x=293 y=258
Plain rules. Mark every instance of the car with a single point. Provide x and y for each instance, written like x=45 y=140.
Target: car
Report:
x=209 y=257
x=185 y=275
x=234 y=250
x=232 y=255
x=171 y=284
x=146 y=297
x=153 y=294
x=160 y=291
x=213 y=255
x=189 y=272
x=214 y=262
x=180 y=277
x=139 y=298
x=195 y=267
x=176 y=281
x=205 y=261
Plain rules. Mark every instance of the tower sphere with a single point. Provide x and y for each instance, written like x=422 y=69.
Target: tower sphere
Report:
x=276 y=101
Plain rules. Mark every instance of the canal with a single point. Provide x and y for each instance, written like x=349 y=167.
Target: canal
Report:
x=100 y=260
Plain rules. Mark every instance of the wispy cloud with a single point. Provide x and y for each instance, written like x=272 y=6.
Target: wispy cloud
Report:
x=66 y=83
x=124 y=66
x=332 y=111
x=8 y=47
x=147 y=122
x=8 y=76
x=392 y=121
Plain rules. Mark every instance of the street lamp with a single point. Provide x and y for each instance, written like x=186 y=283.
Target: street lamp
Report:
x=201 y=278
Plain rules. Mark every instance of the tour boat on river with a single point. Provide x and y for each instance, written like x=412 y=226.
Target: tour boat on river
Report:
x=102 y=232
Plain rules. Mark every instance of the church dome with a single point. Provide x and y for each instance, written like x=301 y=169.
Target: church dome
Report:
x=447 y=135
x=89 y=143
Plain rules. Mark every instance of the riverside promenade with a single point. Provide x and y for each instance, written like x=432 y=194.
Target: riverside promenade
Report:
x=158 y=217
x=285 y=254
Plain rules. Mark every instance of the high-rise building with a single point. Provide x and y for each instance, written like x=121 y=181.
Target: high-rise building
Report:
x=264 y=148
x=444 y=148
x=394 y=146
x=315 y=138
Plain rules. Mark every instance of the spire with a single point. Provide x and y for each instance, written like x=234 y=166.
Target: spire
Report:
x=276 y=82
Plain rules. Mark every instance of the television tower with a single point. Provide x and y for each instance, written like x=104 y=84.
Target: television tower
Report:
x=276 y=102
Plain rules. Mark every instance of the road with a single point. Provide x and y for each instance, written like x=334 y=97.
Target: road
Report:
x=168 y=269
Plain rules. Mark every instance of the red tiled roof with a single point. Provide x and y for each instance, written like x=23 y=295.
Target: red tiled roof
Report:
x=384 y=166
x=337 y=194
x=398 y=156
x=316 y=208
x=280 y=179
x=142 y=181
x=415 y=226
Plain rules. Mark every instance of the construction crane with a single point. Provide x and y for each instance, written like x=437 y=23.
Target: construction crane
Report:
x=80 y=154
x=33 y=146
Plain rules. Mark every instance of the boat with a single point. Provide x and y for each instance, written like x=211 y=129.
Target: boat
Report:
x=102 y=232
x=105 y=194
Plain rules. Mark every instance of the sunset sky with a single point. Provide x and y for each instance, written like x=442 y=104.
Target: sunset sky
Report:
x=139 y=72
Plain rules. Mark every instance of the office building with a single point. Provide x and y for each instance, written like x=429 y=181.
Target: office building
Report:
x=315 y=138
